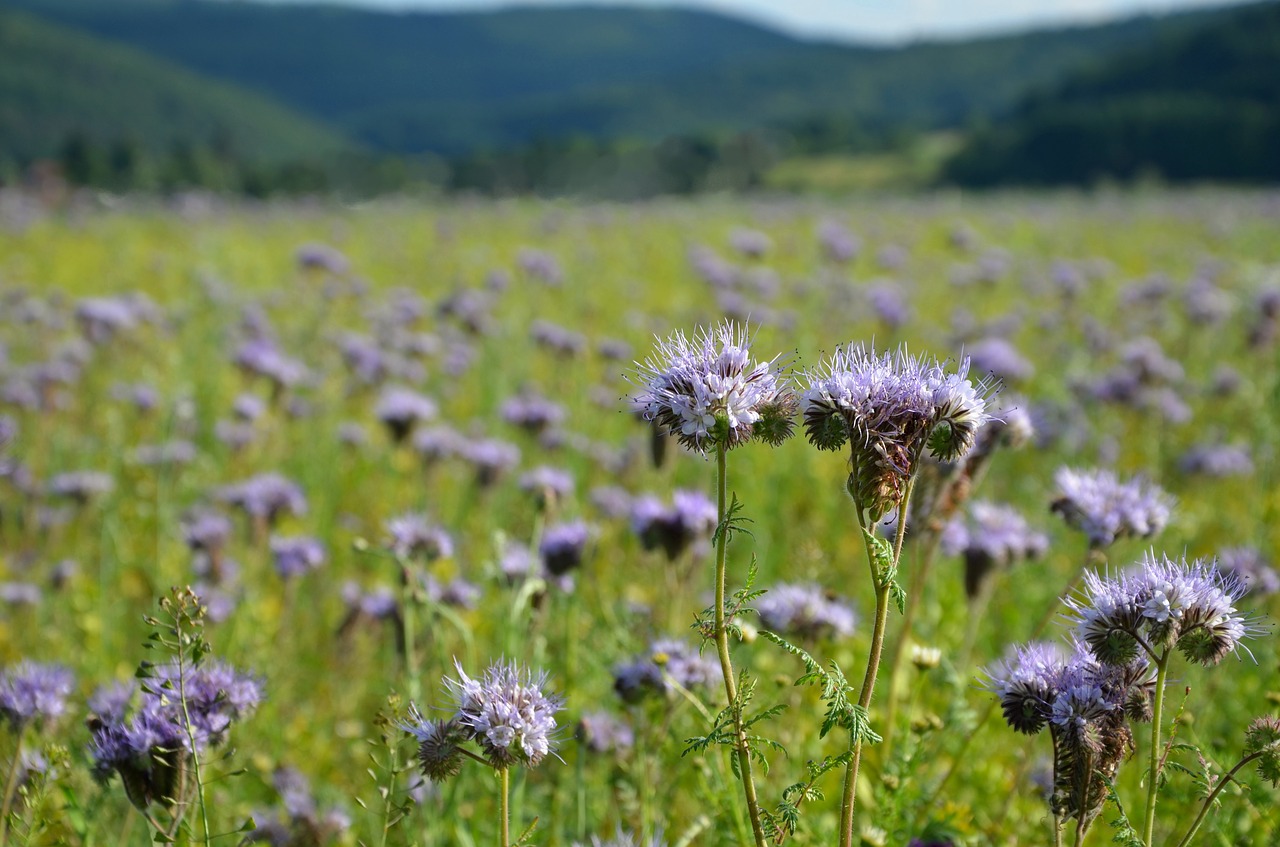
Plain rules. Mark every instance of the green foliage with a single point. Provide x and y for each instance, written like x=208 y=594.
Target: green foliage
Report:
x=1195 y=105
x=111 y=103
x=843 y=710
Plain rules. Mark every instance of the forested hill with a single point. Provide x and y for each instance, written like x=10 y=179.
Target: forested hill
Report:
x=1203 y=104
x=456 y=82
x=57 y=84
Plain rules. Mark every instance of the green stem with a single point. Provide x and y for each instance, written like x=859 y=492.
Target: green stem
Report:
x=11 y=786
x=195 y=757
x=408 y=577
x=882 y=585
x=504 y=817
x=1153 y=773
x=722 y=647
x=1058 y=824
x=1213 y=795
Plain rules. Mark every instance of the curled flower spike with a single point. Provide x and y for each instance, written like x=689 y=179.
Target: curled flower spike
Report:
x=439 y=752
x=1105 y=509
x=1163 y=603
x=1263 y=738
x=707 y=391
x=889 y=407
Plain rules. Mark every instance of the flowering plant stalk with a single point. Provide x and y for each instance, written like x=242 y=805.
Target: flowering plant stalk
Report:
x=712 y=397
x=889 y=409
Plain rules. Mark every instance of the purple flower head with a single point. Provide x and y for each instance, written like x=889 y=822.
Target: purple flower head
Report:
x=838 y=243
x=206 y=532
x=167 y=453
x=102 y=318
x=532 y=412
x=217 y=696
x=437 y=443
x=80 y=486
x=998 y=356
x=667 y=661
x=804 y=610
x=314 y=256
x=508 y=713
x=1105 y=509
x=889 y=304
x=1250 y=567
x=1217 y=460
x=889 y=407
x=20 y=593
x=1162 y=603
x=612 y=501
x=991 y=536
x=691 y=516
x=414 y=536
x=260 y=357
x=624 y=839
x=296 y=556
x=1026 y=683
x=31 y=693
x=439 y=744
x=110 y=703
x=603 y=732
x=400 y=409
x=540 y=265
x=707 y=391
x=549 y=485
x=563 y=546
x=266 y=496
x=751 y=243
x=491 y=459
x=563 y=342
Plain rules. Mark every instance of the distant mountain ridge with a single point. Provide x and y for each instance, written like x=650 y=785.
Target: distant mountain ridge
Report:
x=454 y=82
x=56 y=83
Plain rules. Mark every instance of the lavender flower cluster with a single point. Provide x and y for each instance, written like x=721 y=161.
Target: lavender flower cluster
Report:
x=150 y=750
x=506 y=712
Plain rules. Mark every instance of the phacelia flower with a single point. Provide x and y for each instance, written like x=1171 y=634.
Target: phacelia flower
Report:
x=1105 y=509
x=690 y=517
x=563 y=546
x=889 y=408
x=411 y=536
x=31 y=692
x=991 y=536
x=297 y=555
x=1161 y=603
x=707 y=391
x=266 y=496
x=804 y=610
x=508 y=713
x=667 y=661
x=400 y=409
x=439 y=744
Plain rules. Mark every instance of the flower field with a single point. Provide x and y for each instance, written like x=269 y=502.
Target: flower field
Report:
x=557 y=524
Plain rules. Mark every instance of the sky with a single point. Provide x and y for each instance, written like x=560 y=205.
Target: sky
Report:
x=863 y=20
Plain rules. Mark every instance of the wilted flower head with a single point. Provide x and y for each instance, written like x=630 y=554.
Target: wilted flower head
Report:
x=31 y=692
x=508 y=713
x=1104 y=508
x=707 y=392
x=889 y=408
x=804 y=610
x=1162 y=603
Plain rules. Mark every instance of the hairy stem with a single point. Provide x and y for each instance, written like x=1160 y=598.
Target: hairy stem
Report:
x=722 y=647
x=504 y=815
x=850 y=788
x=1153 y=773
x=1227 y=778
